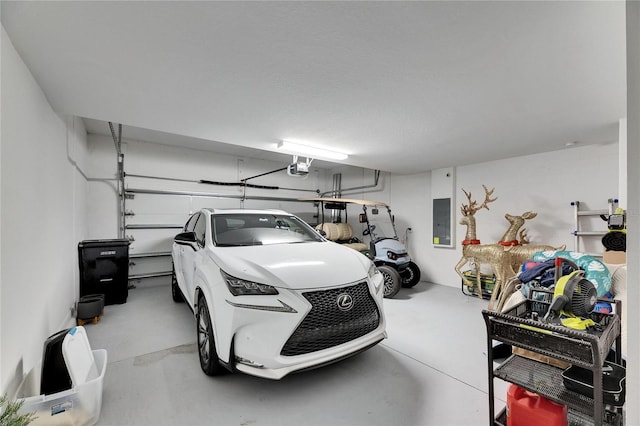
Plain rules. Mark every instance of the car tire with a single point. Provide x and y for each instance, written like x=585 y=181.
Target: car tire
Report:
x=176 y=293
x=206 y=343
x=391 y=281
x=410 y=275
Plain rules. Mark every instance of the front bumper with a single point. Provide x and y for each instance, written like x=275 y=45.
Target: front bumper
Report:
x=260 y=330
x=317 y=362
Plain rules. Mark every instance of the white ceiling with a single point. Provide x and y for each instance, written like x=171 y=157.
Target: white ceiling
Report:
x=400 y=86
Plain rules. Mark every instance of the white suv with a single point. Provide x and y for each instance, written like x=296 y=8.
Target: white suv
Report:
x=271 y=296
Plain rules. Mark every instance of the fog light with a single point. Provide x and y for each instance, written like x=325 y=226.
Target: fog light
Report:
x=248 y=362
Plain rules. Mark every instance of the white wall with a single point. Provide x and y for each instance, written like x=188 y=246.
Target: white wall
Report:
x=42 y=218
x=410 y=201
x=544 y=183
x=149 y=159
x=180 y=164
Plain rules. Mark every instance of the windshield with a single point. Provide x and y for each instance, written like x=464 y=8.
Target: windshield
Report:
x=380 y=224
x=251 y=229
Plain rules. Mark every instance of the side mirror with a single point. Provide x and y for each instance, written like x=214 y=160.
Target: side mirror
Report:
x=362 y=218
x=321 y=232
x=185 y=238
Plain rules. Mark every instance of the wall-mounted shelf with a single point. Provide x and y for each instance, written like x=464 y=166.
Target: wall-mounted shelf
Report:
x=579 y=232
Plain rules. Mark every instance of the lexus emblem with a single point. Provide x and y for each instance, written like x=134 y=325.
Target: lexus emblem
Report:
x=345 y=302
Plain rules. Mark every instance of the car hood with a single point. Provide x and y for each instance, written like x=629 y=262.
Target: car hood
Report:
x=295 y=266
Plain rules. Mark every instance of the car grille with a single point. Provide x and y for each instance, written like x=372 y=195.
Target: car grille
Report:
x=326 y=325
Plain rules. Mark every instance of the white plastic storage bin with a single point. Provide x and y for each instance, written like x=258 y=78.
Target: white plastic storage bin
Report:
x=77 y=406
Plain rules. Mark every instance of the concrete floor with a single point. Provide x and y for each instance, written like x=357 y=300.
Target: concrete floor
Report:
x=430 y=371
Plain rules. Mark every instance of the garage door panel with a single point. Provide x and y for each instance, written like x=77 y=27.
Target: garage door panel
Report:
x=217 y=203
x=149 y=265
x=151 y=240
x=142 y=204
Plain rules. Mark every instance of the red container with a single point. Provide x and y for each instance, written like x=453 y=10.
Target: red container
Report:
x=526 y=408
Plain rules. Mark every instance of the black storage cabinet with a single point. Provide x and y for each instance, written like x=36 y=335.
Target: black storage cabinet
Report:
x=104 y=269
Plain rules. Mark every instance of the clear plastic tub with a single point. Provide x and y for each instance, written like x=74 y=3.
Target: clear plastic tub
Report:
x=80 y=405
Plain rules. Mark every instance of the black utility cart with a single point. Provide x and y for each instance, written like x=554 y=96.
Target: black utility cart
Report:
x=586 y=349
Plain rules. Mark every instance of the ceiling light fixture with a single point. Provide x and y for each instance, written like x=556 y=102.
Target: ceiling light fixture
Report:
x=295 y=148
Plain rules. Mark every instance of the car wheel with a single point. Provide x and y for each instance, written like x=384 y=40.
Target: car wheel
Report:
x=206 y=342
x=176 y=293
x=410 y=275
x=391 y=280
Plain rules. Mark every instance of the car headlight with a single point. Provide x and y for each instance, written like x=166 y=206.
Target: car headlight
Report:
x=377 y=282
x=372 y=270
x=240 y=287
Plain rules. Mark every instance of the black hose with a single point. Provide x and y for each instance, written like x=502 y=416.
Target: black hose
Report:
x=249 y=185
x=615 y=241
